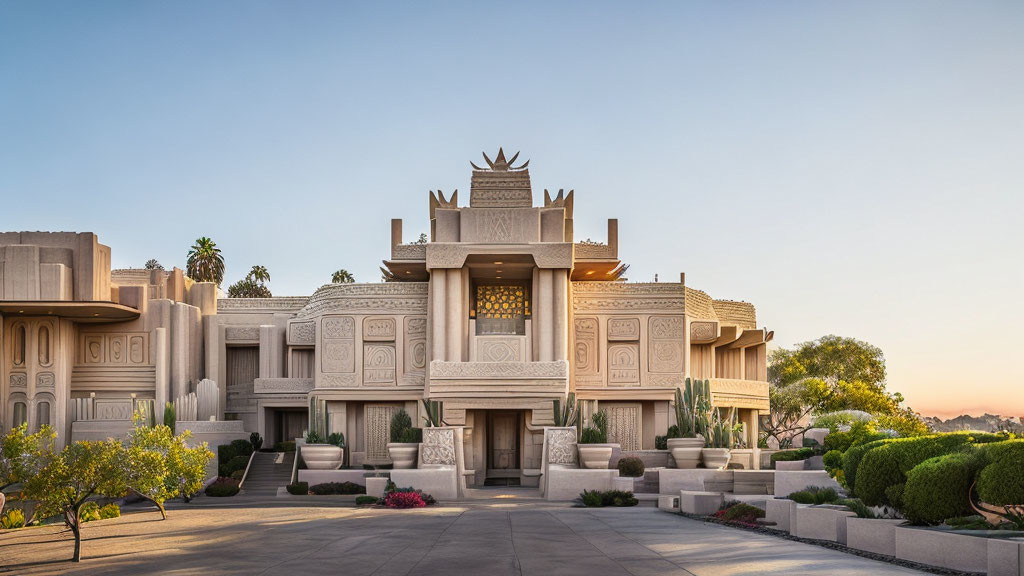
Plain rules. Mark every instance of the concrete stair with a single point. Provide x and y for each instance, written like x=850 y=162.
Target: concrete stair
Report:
x=649 y=484
x=268 y=471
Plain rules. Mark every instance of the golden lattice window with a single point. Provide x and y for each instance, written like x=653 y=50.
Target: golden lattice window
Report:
x=501 y=308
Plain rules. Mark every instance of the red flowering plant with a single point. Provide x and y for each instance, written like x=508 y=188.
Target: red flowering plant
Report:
x=404 y=500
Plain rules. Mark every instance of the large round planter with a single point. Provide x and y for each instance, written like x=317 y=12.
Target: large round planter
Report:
x=403 y=454
x=322 y=456
x=715 y=458
x=595 y=456
x=686 y=451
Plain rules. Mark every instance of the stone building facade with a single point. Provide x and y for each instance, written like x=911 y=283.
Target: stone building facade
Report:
x=498 y=314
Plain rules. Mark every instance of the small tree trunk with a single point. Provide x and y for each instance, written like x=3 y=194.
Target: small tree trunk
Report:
x=163 y=512
x=72 y=519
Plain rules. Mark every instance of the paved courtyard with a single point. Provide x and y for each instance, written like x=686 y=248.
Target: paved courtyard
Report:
x=487 y=538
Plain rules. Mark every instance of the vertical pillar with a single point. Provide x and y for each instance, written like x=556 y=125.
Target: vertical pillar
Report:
x=753 y=429
x=437 y=313
x=453 y=312
x=544 y=301
x=163 y=370
x=560 y=314
x=271 y=351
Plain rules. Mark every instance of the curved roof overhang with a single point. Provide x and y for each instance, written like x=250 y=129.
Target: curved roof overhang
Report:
x=94 y=312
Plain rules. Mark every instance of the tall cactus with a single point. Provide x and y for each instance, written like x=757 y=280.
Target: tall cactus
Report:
x=566 y=416
x=434 y=410
x=721 y=430
x=693 y=407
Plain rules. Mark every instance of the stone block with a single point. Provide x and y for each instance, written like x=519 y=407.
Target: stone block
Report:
x=569 y=483
x=623 y=483
x=790 y=466
x=754 y=482
x=703 y=503
x=441 y=483
x=1005 y=557
x=314 y=477
x=668 y=503
x=872 y=535
x=779 y=512
x=375 y=486
x=672 y=480
x=942 y=548
x=822 y=523
x=787 y=482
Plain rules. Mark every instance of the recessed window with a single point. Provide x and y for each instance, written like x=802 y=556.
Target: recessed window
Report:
x=501 y=308
x=20 y=414
x=42 y=414
x=19 y=345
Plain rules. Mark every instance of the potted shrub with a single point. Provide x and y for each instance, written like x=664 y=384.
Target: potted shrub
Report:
x=720 y=433
x=685 y=439
x=405 y=440
x=323 y=455
x=595 y=452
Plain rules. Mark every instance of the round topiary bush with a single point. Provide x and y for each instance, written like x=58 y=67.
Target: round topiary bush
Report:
x=852 y=458
x=236 y=463
x=1001 y=482
x=222 y=487
x=631 y=466
x=832 y=460
x=888 y=465
x=938 y=488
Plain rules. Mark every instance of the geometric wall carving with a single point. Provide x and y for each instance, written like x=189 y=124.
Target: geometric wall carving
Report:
x=623 y=424
x=500 y=349
x=623 y=329
x=624 y=364
x=19 y=380
x=665 y=352
x=113 y=349
x=378 y=329
x=242 y=333
x=378 y=432
x=561 y=446
x=415 y=344
x=117 y=350
x=339 y=327
x=45 y=380
x=586 y=356
x=438 y=446
x=136 y=349
x=703 y=332
x=338 y=346
x=378 y=364
x=300 y=333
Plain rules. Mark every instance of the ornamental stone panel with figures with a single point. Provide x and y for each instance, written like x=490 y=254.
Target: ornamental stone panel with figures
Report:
x=585 y=347
x=665 y=341
x=105 y=349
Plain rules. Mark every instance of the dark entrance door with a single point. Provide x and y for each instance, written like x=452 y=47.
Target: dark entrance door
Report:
x=503 y=444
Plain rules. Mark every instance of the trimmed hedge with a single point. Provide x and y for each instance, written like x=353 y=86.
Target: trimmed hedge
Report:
x=852 y=458
x=889 y=464
x=938 y=488
x=814 y=495
x=233 y=465
x=859 y=433
x=329 y=488
x=298 y=488
x=222 y=487
x=1002 y=481
x=631 y=467
x=793 y=455
x=288 y=446
x=599 y=499
x=832 y=460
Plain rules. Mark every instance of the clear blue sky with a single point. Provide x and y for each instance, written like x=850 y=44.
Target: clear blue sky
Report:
x=851 y=168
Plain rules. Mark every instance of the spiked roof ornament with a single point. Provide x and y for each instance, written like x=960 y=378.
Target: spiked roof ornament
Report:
x=499 y=164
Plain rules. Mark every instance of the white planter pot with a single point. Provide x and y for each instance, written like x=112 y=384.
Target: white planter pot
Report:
x=322 y=456
x=595 y=456
x=715 y=458
x=686 y=451
x=403 y=454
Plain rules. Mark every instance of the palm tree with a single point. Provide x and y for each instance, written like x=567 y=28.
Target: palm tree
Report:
x=152 y=264
x=259 y=274
x=343 y=276
x=205 y=263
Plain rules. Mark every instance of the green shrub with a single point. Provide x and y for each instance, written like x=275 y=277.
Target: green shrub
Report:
x=330 y=488
x=256 y=441
x=314 y=437
x=852 y=458
x=242 y=447
x=284 y=446
x=793 y=455
x=236 y=463
x=631 y=466
x=237 y=475
x=336 y=439
x=222 y=487
x=859 y=433
x=298 y=488
x=857 y=507
x=13 y=518
x=740 y=513
x=889 y=464
x=366 y=500
x=400 y=422
x=894 y=494
x=938 y=488
x=597 y=498
x=661 y=442
x=1001 y=482
x=833 y=460
x=89 y=512
x=597 y=433
x=814 y=495
x=111 y=510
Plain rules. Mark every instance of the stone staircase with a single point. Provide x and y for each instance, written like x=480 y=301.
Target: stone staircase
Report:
x=648 y=485
x=268 y=471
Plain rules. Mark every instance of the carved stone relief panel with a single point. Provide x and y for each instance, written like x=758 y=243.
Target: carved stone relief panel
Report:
x=623 y=424
x=585 y=347
x=415 y=344
x=19 y=380
x=703 y=332
x=624 y=364
x=666 y=344
x=45 y=380
x=338 y=353
x=378 y=329
x=93 y=350
x=136 y=349
x=562 y=446
x=116 y=351
x=623 y=329
x=113 y=349
x=438 y=446
x=491 y=349
x=378 y=432
x=242 y=333
x=300 y=333
x=378 y=364
x=113 y=409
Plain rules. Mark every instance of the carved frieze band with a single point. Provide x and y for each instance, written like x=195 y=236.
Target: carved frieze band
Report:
x=242 y=333
x=546 y=255
x=604 y=297
x=301 y=333
x=409 y=252
x=623 y=329
x=281 y=304
x=703 y=332
x=504 y=370
x=386 y=298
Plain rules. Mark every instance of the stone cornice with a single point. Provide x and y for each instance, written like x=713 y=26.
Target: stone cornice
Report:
x=385 y=298
x=454 y=254
x=277 y=304
x=610 y=297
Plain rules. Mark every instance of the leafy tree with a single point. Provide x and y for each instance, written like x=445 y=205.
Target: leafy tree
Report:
x=205 y=263
x=826 y=375
x=22 y=454
x=259 y=274
x=152 y=264
x=422 y=239
x=162 y=466
x=69 y=479
x=248 y=288
x=343 y=276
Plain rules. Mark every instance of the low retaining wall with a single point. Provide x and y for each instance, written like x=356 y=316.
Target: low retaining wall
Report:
x=569 y=483
x=672 y=480
x=780 y=512
x=753 y=482
x=314 y=477
x=651 y=458
x=441 y=483
x=942 y=548
x=822 y=523
x=787 y=482
x=1005 y=557
x=872 y=535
